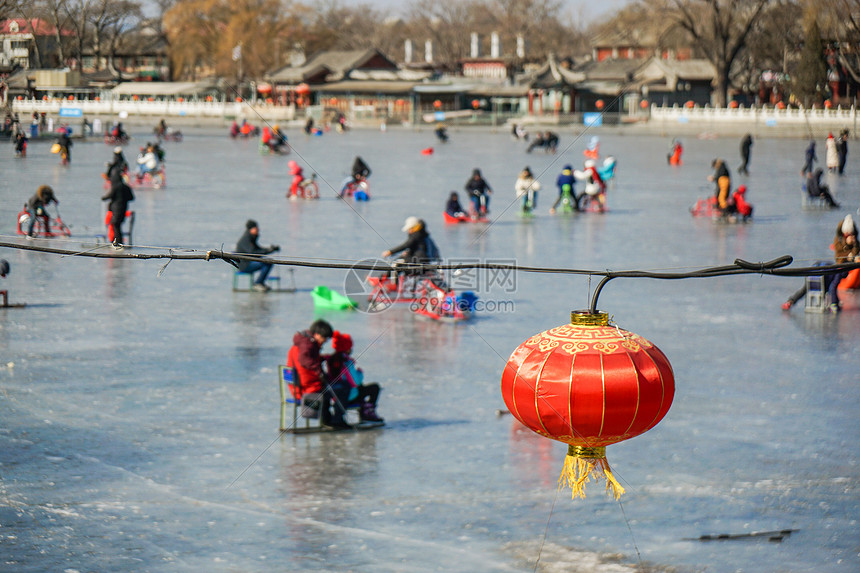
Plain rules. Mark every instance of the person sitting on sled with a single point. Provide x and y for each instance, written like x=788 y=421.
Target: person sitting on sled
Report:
x=738 y=204
x=418 y=247
x=277 y=140
x=453 y=207
x=344 y=373
x=846 y=249
x=147 y=161
x=595 y=188
x=527 y=187
x=441 y=132
x=479 y=192
x=815 y=189
x=304 y=356
x=118 y=132
x=566 y=182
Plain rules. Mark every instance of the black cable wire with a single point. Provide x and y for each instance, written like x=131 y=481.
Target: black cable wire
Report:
x=738 y=267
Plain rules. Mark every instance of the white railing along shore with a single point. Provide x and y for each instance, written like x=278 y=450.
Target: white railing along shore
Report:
x=667 y=117
x=763 y=117
x=71 y=109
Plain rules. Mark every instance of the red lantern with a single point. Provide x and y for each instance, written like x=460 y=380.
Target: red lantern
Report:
x=303 y=89
x=733 y=104
x=780 y=105
x=827 y=104
x=589 y=385
x=437 y=104
x=690 y=104
x=643 y=104
x=476 y=104
x=599 y=104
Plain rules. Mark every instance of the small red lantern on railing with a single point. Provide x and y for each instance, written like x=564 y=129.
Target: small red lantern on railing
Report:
x=689 y=104
x=476 y=104
x=437 y=104
x=180 y=99
x=828 y=104
x=135 y=98
x=780 y=105
x=599 y=104
x=588 y=384
x=733 y=104
x=643 y=104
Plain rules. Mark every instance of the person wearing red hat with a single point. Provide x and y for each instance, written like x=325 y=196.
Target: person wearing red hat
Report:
x=304 y=356
x=738 y=204
x=831 y=155
x=343 y=371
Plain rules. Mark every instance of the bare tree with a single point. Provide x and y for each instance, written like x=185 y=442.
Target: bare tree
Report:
x=446 y=23
x=108 y=19
x=78 y=18
x=58 y=14
x=718 y=27
x=840 y=22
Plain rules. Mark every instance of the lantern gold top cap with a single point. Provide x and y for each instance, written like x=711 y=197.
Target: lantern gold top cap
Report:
x=587 y=318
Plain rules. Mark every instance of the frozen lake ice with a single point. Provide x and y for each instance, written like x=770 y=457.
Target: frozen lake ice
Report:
x=139 y=403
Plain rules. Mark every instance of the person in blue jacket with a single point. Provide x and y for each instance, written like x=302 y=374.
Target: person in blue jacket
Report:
x=809 y=159
x=565 y=181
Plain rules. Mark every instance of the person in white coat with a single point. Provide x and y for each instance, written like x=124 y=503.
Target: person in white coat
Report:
x=527 y=188
x=831 y=157
x=147 y=161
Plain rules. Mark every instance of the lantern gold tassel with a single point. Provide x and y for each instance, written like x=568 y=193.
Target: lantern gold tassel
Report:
x=581 y=465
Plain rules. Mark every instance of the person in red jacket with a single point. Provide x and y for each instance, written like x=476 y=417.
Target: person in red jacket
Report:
x=738 y=204
x=298 y=176
x=304 y=356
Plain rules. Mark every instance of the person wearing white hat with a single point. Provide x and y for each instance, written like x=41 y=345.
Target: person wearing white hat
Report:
x=118 y=164
x=418 y=246
x=846 y=249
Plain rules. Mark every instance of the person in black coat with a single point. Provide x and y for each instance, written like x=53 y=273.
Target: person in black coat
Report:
x=842 y=150
x=65 y=146
x=120 y=195
x=815 y=189
x=248 y=245
x=360 y=170
x=479 y=192
x=746 y=144
x=36 y=206
x=118 y=164
x=414 y=248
